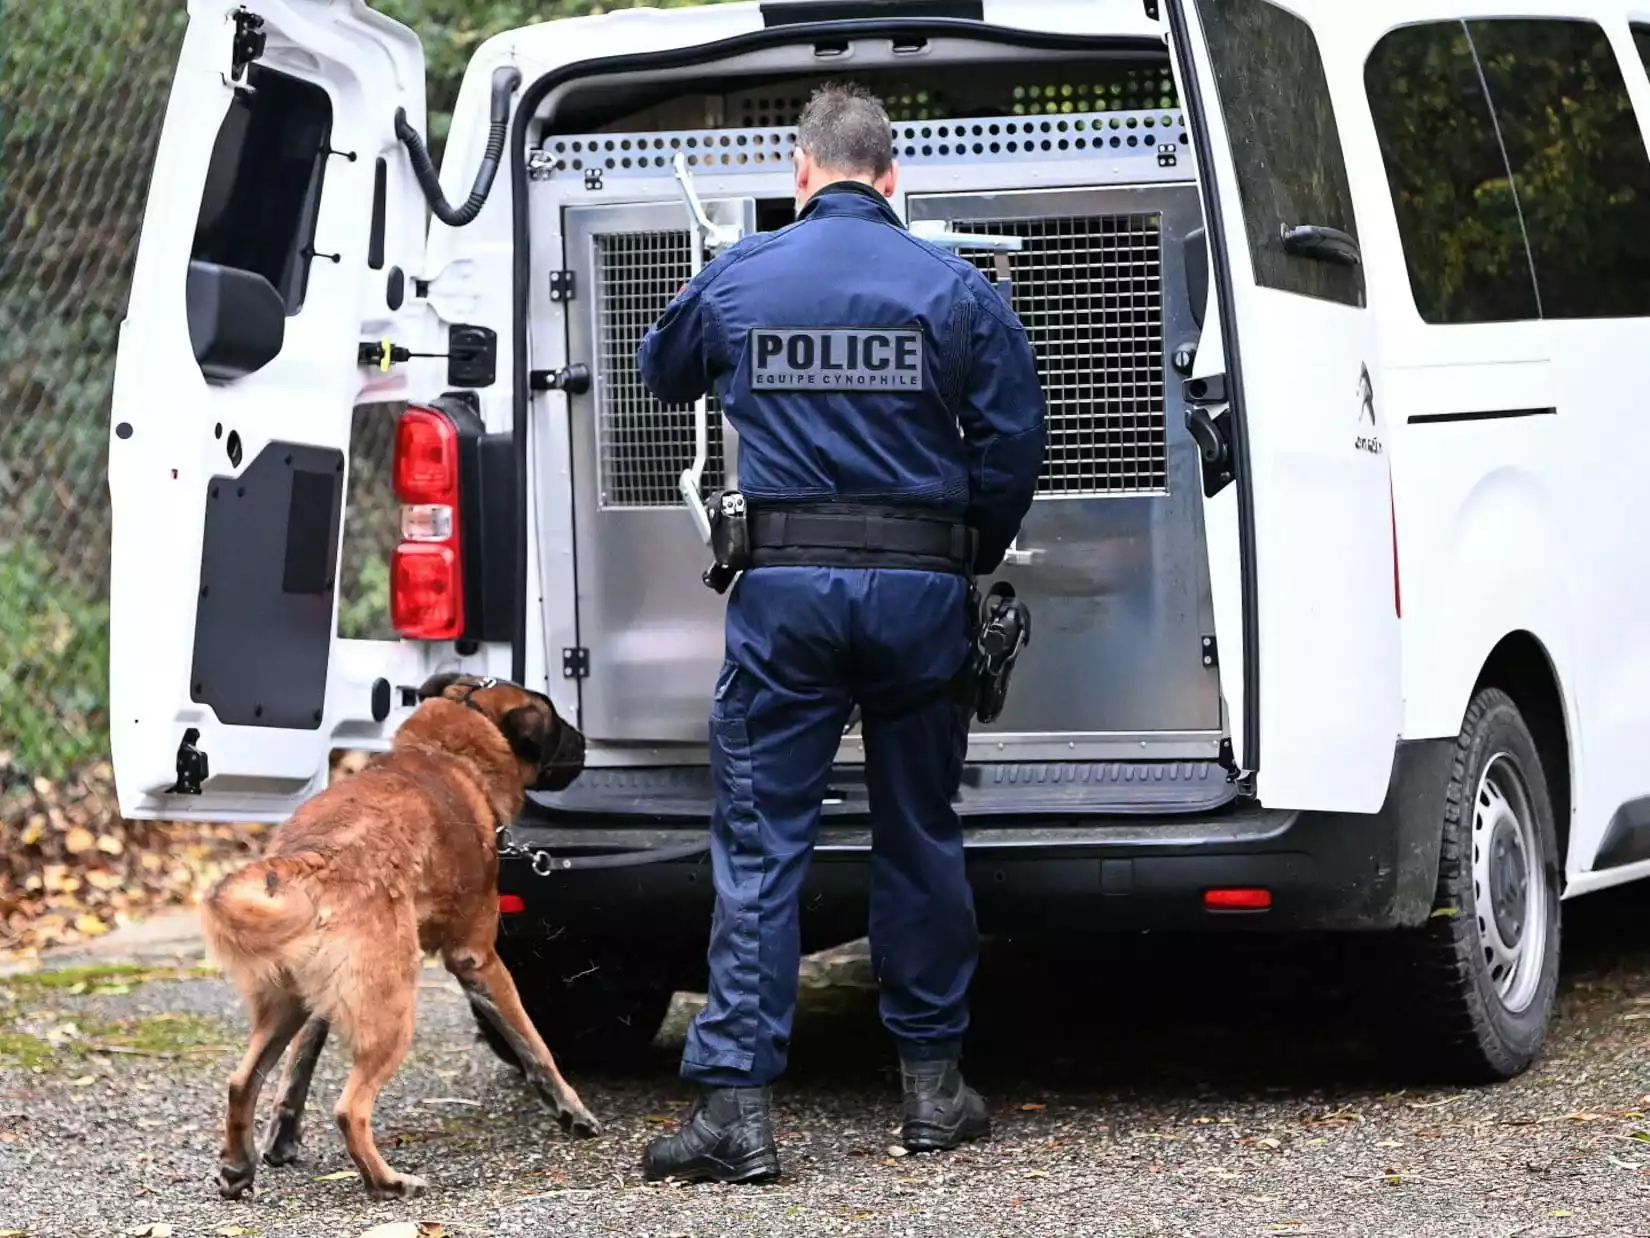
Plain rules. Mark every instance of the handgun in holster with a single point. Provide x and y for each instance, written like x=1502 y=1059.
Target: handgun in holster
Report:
x=1003 y=629
x=730 y=539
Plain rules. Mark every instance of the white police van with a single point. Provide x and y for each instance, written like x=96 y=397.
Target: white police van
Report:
x=1339 y=621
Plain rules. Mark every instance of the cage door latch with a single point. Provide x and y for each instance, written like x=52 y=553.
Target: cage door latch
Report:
x=938 y=232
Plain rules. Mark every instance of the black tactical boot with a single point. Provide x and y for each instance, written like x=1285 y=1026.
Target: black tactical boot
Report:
x=727 y=1137
x=941 y=1111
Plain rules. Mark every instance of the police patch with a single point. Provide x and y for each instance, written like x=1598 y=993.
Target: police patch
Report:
x=836 y=359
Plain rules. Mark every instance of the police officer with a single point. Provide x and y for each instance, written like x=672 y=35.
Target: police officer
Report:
x=891 y=431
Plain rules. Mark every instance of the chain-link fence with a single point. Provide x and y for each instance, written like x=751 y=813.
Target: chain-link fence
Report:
x=83 y=92
x=83 y=88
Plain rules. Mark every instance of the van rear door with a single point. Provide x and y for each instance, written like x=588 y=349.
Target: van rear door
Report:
x=1287 y=409
x=279 y=206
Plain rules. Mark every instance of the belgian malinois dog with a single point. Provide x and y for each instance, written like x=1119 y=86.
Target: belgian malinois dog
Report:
x=328 y=930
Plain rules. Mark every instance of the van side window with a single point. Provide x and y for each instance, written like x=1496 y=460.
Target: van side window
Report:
x=1457 y=213
x=1578 y=160
x=263 y=185
x=1285 y=143
x=1518 y=171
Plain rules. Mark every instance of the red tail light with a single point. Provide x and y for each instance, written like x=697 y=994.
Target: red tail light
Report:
x=1237 y=899
x=511 y=904
x=427 y=569
x=426 y=592
x=426 y=457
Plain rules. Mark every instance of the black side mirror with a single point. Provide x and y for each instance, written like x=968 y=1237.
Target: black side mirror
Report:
x=237 y=321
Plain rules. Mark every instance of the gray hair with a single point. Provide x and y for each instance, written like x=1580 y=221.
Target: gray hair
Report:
x=845 y=128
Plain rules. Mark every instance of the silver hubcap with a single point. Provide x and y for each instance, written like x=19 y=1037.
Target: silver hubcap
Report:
x=1509 y=883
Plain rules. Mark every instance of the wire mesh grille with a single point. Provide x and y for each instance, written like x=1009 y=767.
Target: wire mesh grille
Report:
x=642 y=444
x=1090 y=292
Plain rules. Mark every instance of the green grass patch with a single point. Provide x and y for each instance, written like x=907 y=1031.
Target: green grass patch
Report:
x=155 y=1034
x=20 y=1049
x=36 y=1034
x=81 y=979
x=69 y=1044
x=95 y=980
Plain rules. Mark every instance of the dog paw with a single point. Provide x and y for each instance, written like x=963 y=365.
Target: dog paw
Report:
x=578 y=1122
x=570 y=1112
x=398 y=1186
x=282 y=1145
x=282 y=1151
x=235 y=1179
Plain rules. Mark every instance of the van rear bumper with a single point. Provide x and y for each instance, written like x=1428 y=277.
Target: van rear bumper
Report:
x=1035 y=876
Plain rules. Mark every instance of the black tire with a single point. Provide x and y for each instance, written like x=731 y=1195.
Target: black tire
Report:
x=596 y=1006
x=1455 y=1024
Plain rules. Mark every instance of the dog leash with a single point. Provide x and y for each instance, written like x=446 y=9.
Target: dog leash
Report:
x=546 y=863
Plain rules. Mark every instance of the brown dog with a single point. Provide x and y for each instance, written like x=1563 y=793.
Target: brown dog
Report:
x=328 y=929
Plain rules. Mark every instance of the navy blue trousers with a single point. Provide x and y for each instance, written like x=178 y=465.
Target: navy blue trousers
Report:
x=803 y=645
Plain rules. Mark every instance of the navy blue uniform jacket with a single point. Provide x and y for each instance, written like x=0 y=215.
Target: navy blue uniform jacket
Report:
x=860 y=363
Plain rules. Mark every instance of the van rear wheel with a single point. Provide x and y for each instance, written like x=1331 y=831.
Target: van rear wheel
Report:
x=1476 y=986
x=597 y=1006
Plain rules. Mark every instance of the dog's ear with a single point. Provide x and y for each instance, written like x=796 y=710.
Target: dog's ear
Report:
x=528 y=731
x=435 y=685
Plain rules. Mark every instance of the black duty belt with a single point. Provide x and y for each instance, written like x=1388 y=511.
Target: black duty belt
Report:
x=858 y=535
x=745 y=535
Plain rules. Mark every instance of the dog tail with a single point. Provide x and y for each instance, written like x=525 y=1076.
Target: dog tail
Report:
x=251 y=914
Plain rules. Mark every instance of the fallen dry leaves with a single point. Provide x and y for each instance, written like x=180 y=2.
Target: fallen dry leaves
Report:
x=71 y=868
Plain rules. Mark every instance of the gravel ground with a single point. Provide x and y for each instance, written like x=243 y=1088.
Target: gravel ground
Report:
x=1201 y=1088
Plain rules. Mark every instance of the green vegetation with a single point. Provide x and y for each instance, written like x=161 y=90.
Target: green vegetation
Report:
x=37 y=1035
x=68 y=1043
x=93 y=978
x=96 y=979
x=55 y=633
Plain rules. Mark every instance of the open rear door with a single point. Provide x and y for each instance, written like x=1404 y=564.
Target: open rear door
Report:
x=280 y=203
x=1287 y=412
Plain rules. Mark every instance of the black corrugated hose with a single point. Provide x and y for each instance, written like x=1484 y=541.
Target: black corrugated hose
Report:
x=505 y=80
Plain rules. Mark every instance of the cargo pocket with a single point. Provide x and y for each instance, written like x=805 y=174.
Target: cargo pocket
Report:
x=725 y=1036
x=730 y=758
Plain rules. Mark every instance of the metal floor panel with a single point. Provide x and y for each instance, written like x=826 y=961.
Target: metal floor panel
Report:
x=1116 y=788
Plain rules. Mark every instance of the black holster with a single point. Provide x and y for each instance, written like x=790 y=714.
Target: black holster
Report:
x=730 y=539
x=1001 y=628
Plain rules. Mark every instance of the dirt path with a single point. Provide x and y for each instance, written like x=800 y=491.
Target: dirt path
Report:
x=1184 y=1089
